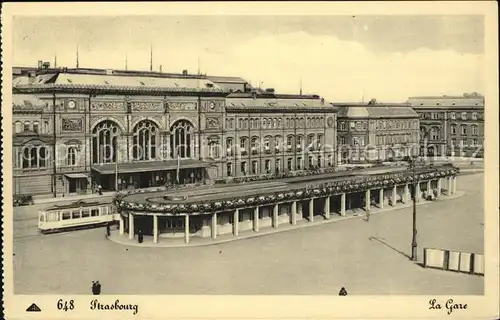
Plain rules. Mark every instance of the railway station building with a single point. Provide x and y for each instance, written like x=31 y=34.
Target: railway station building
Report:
x=74 y=129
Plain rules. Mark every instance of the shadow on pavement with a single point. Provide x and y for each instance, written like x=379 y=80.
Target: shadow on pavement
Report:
x=389 y=246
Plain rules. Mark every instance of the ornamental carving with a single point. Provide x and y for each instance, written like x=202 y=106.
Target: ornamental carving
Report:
x=147 y=106
x=212 y=123
x=211 y=106
x=185 y=106
x=107 y=106
x=72 y=125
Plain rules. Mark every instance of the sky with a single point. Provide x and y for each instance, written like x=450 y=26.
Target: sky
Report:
x=342 y=58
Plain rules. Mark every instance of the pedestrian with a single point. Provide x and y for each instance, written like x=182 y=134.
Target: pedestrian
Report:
x=99 y=189
x=140 y=236
x=108 y=230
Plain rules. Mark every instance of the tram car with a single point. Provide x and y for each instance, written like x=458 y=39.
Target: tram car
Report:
x=77 y=215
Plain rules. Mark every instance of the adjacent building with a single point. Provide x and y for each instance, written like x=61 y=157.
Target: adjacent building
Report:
x=369 y=132
x=451 y=125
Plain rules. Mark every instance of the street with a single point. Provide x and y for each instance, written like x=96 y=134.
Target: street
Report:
x=364 y=257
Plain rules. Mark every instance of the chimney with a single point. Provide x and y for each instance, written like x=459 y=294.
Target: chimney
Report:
x=184 y=72
x=40 y=64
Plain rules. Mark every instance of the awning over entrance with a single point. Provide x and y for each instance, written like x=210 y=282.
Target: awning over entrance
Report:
x=109 y=168
x=76 y=175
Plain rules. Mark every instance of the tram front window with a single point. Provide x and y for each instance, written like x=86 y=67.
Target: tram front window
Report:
x=85 y=213
x=76 y=214
x=94 y=213
x=66 y=215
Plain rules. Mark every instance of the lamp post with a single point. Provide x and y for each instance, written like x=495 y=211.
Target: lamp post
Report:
x=412 y=162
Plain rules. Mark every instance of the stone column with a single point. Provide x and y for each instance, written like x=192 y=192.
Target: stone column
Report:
x=327 y=207
x=405 y=199
x=311 y=210
x=454 y=185
x=294 y=213
x=155 y=228
x=275 y=215
x=256 y=219
x=439 y=182
x=429 y=187
x=121 y=225
x=236 y=222
x=394 y=195
x=381 y=198
x=186 y=228
x=342 y=205
x=131 y=226
x=367 y=199
x=214 y=225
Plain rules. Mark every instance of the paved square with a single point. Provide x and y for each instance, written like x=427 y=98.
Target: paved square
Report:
x=365 y=257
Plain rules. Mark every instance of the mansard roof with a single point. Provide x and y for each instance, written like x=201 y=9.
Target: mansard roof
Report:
x=376 y=110
x=470 y=100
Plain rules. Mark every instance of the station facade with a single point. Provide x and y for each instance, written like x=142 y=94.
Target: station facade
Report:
x=74 y=129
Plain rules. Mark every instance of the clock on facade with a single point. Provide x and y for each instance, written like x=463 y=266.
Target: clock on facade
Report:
x=212 y=105
x=71 y=104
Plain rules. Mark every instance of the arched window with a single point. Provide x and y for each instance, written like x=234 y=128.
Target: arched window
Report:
x=267 y=144
x=245 y=124
x=289 y=142
x=213 y=148
x=46 y=127
x=320 y=141
x=27 y=126
x=275 y=123
x=278 y=141
x=145 y=141
x=279 y=123
x=253 y=144
x=310 y=141
x=300 y=142
x=463 y=129
x=34 y=157
x=240 y=123
x=453 y=129
x=181 y=139
x=71 y=159
x=435 y=133
x=36 y=127
x=269 y=123
x=105 y=142
x=229 y=146
x=474 y=130
x=243 y=145
x=18 y=127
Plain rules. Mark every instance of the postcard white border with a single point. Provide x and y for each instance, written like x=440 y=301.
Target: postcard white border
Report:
x=271 y=307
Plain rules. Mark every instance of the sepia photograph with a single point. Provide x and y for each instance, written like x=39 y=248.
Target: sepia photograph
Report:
x=249 y=154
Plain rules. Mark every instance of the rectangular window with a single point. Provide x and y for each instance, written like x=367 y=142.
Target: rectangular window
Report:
x=229 y=169
x=474 y=142
x=299 y=163
x=464 y=130
x=244 y=167
x=268 y=166
x=94 y=212
x=289 y=164
x=254 y=167
x=66 y=215
x=75 y=214
x=85 y=213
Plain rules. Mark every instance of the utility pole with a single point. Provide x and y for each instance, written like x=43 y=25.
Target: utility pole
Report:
x=414 y=238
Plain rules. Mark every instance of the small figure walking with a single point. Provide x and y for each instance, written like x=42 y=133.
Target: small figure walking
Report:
x=343 y=292
x=99 y=189
x=368 y=215
x=108 y=230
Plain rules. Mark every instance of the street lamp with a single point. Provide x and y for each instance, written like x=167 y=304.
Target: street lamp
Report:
x=412 y=163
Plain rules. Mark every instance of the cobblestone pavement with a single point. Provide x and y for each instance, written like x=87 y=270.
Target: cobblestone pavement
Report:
x=365 y=257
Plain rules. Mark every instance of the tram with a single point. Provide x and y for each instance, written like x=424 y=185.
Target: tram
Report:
x=76 y=215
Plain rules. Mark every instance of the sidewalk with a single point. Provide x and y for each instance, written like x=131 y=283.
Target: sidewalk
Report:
x=74 y=198
x=248 y=234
